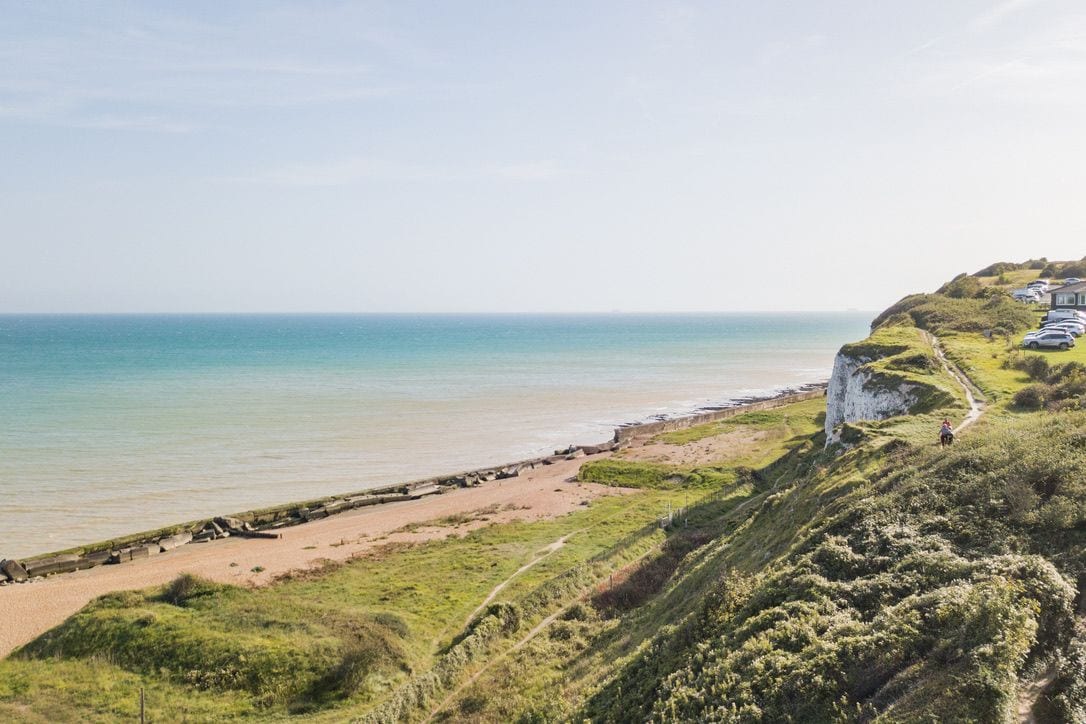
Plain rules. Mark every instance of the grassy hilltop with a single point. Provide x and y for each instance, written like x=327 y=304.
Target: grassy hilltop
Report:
x=883 y=579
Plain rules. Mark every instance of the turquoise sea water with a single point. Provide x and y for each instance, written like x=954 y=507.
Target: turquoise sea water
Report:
x=113 y=424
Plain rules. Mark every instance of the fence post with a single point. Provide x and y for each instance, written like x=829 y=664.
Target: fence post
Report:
x=143 y=716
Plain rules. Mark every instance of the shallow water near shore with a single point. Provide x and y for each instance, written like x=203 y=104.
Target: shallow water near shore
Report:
x=119 y=423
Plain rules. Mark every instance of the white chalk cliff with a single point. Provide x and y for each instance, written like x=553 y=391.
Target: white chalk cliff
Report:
x=854 y=394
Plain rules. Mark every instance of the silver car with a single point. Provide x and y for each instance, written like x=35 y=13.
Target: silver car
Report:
x=1049 y=340
x=1076 y=330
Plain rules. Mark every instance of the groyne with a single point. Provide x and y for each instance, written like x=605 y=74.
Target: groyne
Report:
x=265 y=522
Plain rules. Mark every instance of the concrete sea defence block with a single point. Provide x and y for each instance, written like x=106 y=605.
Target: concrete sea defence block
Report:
x=174 y=541
x=135 y=553
x=229 y=523
x=417 y=493
x=315 y=514
x=257 y=534
x=14 y=570
x=393 y=498
x=64 y=563
x=97 y=558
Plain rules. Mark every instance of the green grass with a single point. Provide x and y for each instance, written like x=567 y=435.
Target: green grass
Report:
x=653 y=476
x=785 y=422
x=67 y=690
x=940 y=314
x=990 y=363
x=1013 y=279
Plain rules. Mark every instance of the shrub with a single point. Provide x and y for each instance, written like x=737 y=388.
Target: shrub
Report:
x=187 y=588
x=939 y=312
x=1001 y=267
x=962 y=286
x=1031 y=397
x=1035 y=366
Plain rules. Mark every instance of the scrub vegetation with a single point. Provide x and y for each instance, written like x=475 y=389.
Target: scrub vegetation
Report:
x=885 y=579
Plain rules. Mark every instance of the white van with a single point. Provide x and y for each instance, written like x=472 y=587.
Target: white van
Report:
x=1057 y=314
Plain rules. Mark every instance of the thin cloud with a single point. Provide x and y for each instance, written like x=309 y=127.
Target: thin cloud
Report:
x=349 y=171
x=159 y=74
x=343 y=172
x=545 y=170
x=1044 y=66
x=999 y=12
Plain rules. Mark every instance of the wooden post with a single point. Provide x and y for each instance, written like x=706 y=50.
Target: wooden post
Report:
x=143 y=714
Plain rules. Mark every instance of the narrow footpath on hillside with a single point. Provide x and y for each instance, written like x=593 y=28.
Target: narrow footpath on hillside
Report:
x=550 y=550
x=972 y=393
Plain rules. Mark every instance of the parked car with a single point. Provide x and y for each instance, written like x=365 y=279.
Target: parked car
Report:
x=1026 y=295
x=1065 y=319
x=1040 y=285
x=1049 y=340
x=1072 y=329
x=1078 y=321
x=1056 y=315
x=1071 y=280
x=1069 y=324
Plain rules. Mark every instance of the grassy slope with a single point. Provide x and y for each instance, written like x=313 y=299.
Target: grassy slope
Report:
x=895 y=582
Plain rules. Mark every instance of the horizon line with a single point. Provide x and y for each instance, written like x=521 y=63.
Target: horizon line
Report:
x=617 y=312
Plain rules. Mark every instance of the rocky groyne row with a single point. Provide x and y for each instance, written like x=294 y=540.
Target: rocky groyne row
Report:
x=264 y=523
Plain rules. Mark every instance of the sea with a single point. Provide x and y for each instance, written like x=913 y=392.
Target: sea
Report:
x=114 y=424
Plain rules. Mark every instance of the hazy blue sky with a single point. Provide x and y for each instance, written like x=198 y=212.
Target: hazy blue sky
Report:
x=469 y=156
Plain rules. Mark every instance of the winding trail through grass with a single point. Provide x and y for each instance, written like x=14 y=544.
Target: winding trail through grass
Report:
x=486 y=667
x=551 y=549
x=976 y=405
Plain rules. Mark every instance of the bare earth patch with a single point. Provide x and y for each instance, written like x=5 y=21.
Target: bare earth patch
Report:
x=718 y=448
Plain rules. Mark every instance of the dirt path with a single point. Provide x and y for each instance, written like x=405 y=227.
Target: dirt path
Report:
x=1030 y=693
x=551 y=549
x=506 y=654
x=976 y=406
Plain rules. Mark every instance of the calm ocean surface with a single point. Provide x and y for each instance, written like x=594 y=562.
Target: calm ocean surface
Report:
x=114 y=424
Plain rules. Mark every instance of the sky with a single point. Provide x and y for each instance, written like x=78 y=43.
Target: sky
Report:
x=550 y=156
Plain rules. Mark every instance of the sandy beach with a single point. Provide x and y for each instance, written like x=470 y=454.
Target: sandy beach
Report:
x=32 y=608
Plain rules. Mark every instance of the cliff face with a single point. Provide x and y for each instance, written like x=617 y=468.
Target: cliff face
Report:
x=893 y=372
x=858 y=393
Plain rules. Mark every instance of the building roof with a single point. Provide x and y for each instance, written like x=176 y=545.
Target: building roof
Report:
x=1076 y=287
